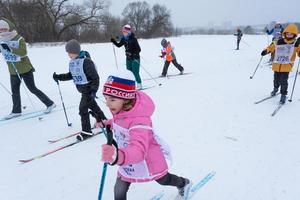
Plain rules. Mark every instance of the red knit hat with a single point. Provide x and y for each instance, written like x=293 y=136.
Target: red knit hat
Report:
x=121 y=85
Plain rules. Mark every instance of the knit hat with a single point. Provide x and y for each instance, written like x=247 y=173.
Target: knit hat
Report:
x=164 y=42
x=126 y=28
x=73 y=46
x=120 y=85
x=4 y=25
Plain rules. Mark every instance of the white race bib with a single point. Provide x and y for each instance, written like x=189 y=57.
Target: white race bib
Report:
x=76 y=69
x=138 y=170
x=10 y=57
x=283 y=53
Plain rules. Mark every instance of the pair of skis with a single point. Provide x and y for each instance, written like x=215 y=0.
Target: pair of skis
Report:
x=193 y=190
x=167 y=76
x=278 y=107
x=59 y=148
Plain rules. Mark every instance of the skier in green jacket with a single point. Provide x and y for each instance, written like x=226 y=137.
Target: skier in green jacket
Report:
x=13 y=49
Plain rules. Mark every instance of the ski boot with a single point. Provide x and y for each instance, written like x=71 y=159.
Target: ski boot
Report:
x=12 y=115
x=183 y=192
x=282 y=99
x=181 y=72
x=139 y=86
x=84 y=135
x=273 y=93
x=50 y=108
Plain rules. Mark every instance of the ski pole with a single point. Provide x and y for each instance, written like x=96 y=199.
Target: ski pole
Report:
x=148 y=73
x=18 y=74
x=109 y=137
x=115 y=56
x=246 y=43
x=63 y=104
x=290 y=100
x=5 y=89
x=251 y=77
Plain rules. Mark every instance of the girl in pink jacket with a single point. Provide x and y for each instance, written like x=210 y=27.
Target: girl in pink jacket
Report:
x=141 y=154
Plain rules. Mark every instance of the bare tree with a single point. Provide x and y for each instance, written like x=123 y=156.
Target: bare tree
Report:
x=138 y=14
x=161 y=24
x=62 y=15
x=111 y=25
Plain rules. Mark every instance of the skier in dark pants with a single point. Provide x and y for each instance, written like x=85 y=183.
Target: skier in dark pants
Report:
x=83 y=72
x=170 y=57
x=238 y=35
x=285 y=51
x=13 y=49
x=132 y=51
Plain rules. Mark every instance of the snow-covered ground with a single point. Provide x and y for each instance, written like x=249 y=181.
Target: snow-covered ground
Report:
x=208 y=118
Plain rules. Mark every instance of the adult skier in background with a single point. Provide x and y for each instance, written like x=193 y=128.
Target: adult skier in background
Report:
x=14 y=51
x=85 y=76
x=276 y=32
x=285 y=50
x=239 y=35
x=132 y=52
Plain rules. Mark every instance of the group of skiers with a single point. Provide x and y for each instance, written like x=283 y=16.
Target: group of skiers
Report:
x=141 y=154
x=284 y=47
x=138 y=150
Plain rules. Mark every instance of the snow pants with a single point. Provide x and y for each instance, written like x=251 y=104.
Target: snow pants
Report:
x=281 y=80
x=167 y=64
x=28 y=79
x=134 y=67
x=88 y=102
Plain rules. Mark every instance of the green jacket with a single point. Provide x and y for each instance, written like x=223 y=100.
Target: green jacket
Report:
x=24 y=65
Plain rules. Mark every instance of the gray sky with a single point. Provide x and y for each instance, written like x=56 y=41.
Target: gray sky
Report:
x=190 y=13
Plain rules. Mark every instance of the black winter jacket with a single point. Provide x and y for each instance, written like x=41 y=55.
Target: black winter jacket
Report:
x=132 y=47
x=90 y=72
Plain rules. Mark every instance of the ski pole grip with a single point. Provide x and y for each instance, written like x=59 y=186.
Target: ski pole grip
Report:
x=109 y=135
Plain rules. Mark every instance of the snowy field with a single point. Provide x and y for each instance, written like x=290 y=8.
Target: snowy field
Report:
x=208 y=118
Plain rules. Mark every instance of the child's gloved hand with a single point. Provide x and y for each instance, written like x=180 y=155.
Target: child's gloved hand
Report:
x=112 y=40
x=109 y=153
x=101 y=124
x=264 y=52
x=5 y=47
x=55 y=77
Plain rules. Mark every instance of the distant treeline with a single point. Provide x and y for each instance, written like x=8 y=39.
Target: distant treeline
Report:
x=61 y=20
x=251 y=30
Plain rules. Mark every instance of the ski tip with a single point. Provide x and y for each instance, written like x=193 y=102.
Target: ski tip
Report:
x=25 y=161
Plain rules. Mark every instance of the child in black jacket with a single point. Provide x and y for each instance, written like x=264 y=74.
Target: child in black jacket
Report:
x=83 y=72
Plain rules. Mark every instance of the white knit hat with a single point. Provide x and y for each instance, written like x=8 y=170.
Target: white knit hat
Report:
x=4 y=25
x=126 y=28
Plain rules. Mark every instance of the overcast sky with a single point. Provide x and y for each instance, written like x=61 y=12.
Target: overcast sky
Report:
x=190 y=13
